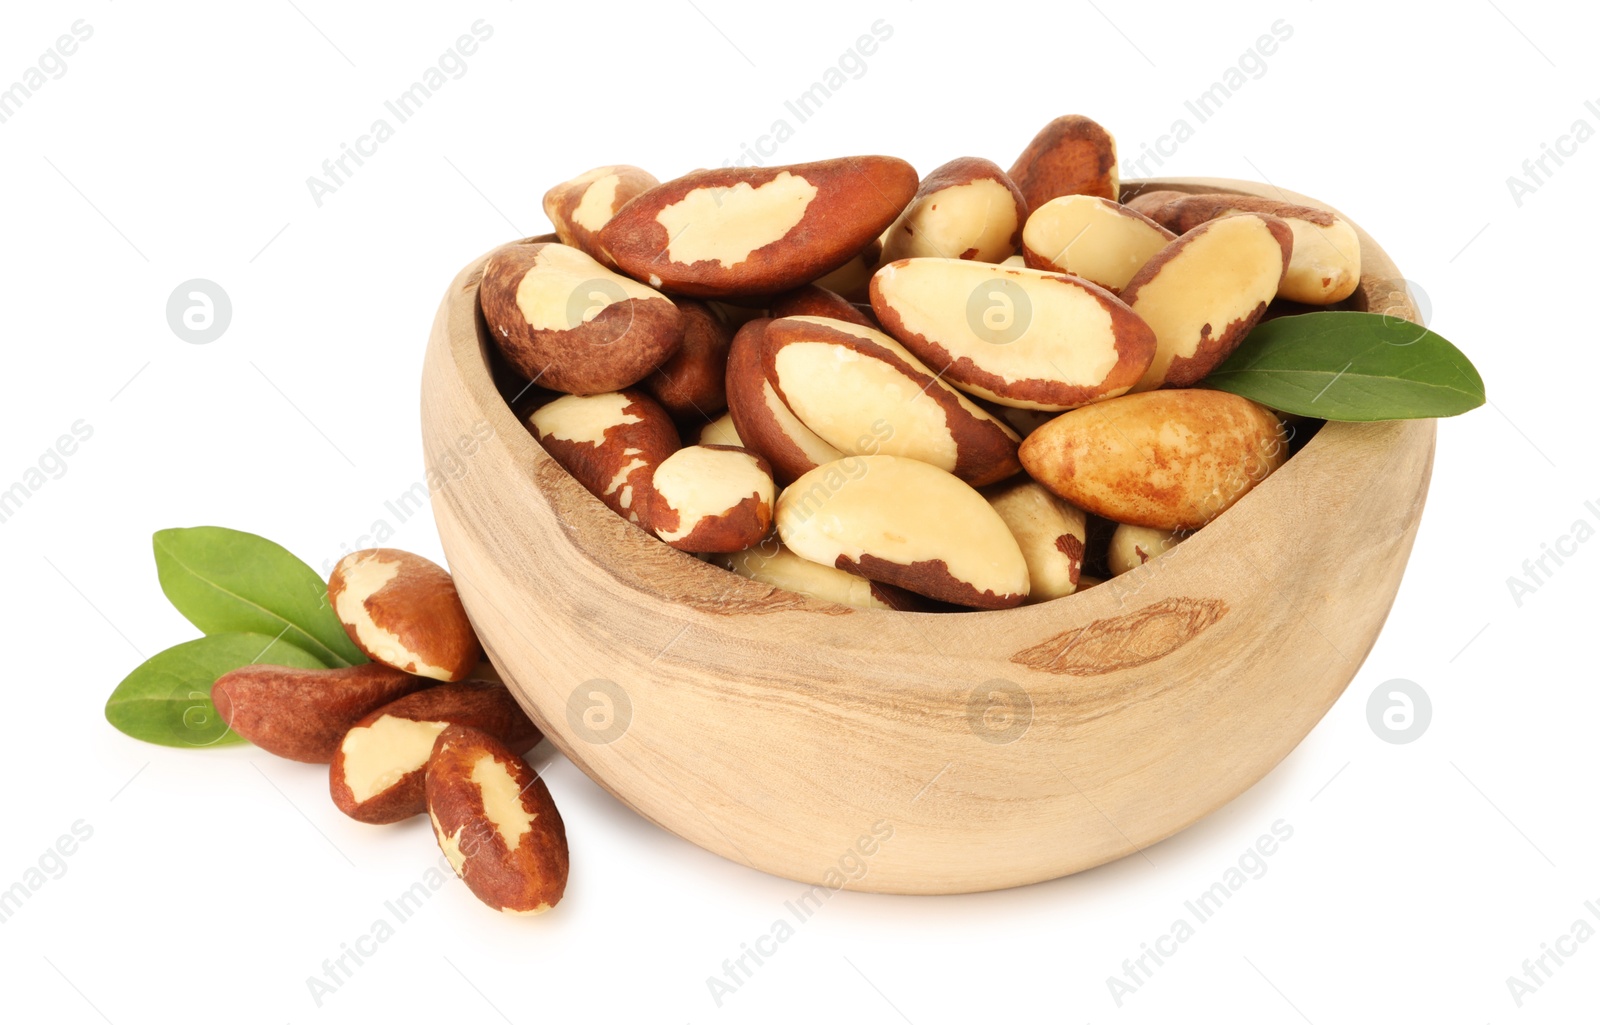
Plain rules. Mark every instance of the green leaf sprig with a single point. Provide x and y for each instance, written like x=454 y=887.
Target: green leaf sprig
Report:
x=228 y=581
x=256 y=603
x=1344 y=365
x=167 y=700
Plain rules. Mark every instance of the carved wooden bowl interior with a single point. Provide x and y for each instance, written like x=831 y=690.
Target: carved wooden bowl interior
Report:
x=1001 y=747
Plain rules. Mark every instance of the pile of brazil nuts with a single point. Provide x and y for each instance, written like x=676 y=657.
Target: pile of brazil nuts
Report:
x=425 y=727
x=948 y=393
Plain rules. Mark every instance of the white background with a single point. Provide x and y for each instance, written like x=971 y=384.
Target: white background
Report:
x=177 y=145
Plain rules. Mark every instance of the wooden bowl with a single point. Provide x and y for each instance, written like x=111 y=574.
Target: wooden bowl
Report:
x=994 y=748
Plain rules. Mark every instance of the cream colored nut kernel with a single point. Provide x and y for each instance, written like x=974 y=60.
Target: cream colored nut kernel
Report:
x=376 y=774
x=502 y=804
x=864 y=393
x=1325 y=265
x=583 y=419
x=545 y=293
x=403 y=610
x=579 y=208
x=766 y=425
x=1132 y=546
x=597 y=203
x=377 y=756
x=904 y=522
x=709 y=499
x=771 y=563
x=1091 y=238
x=751 y=231
x=563 y=319
x=1203 y=293
x=610 y=443
x=721 y=431
x=725 y=224
x=1050 y=532
x=966 y=209
x=1016 y=336
x=816 y=448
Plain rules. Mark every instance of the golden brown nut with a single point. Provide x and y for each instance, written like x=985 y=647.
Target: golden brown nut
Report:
x=403 y=610
x=496 y=822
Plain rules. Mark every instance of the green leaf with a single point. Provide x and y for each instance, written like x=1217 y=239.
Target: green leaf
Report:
x=227 y=581
x=1343 y=365
x=167 y=700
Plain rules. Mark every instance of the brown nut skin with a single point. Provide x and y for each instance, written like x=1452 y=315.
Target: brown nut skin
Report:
x=1182 y=212
x=690 y=385
x=1071 y=156
x=757 y=230
x=711 y=498
x=764 y=423
x=967 y=209
x=581 y=207
x=403 y=610
x=816 y=301
x=884 y=401
x=377 y=773
x=302 y=714
x=496 y=823
x=539 y=302
x=610 y=444
x=1172 y=459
